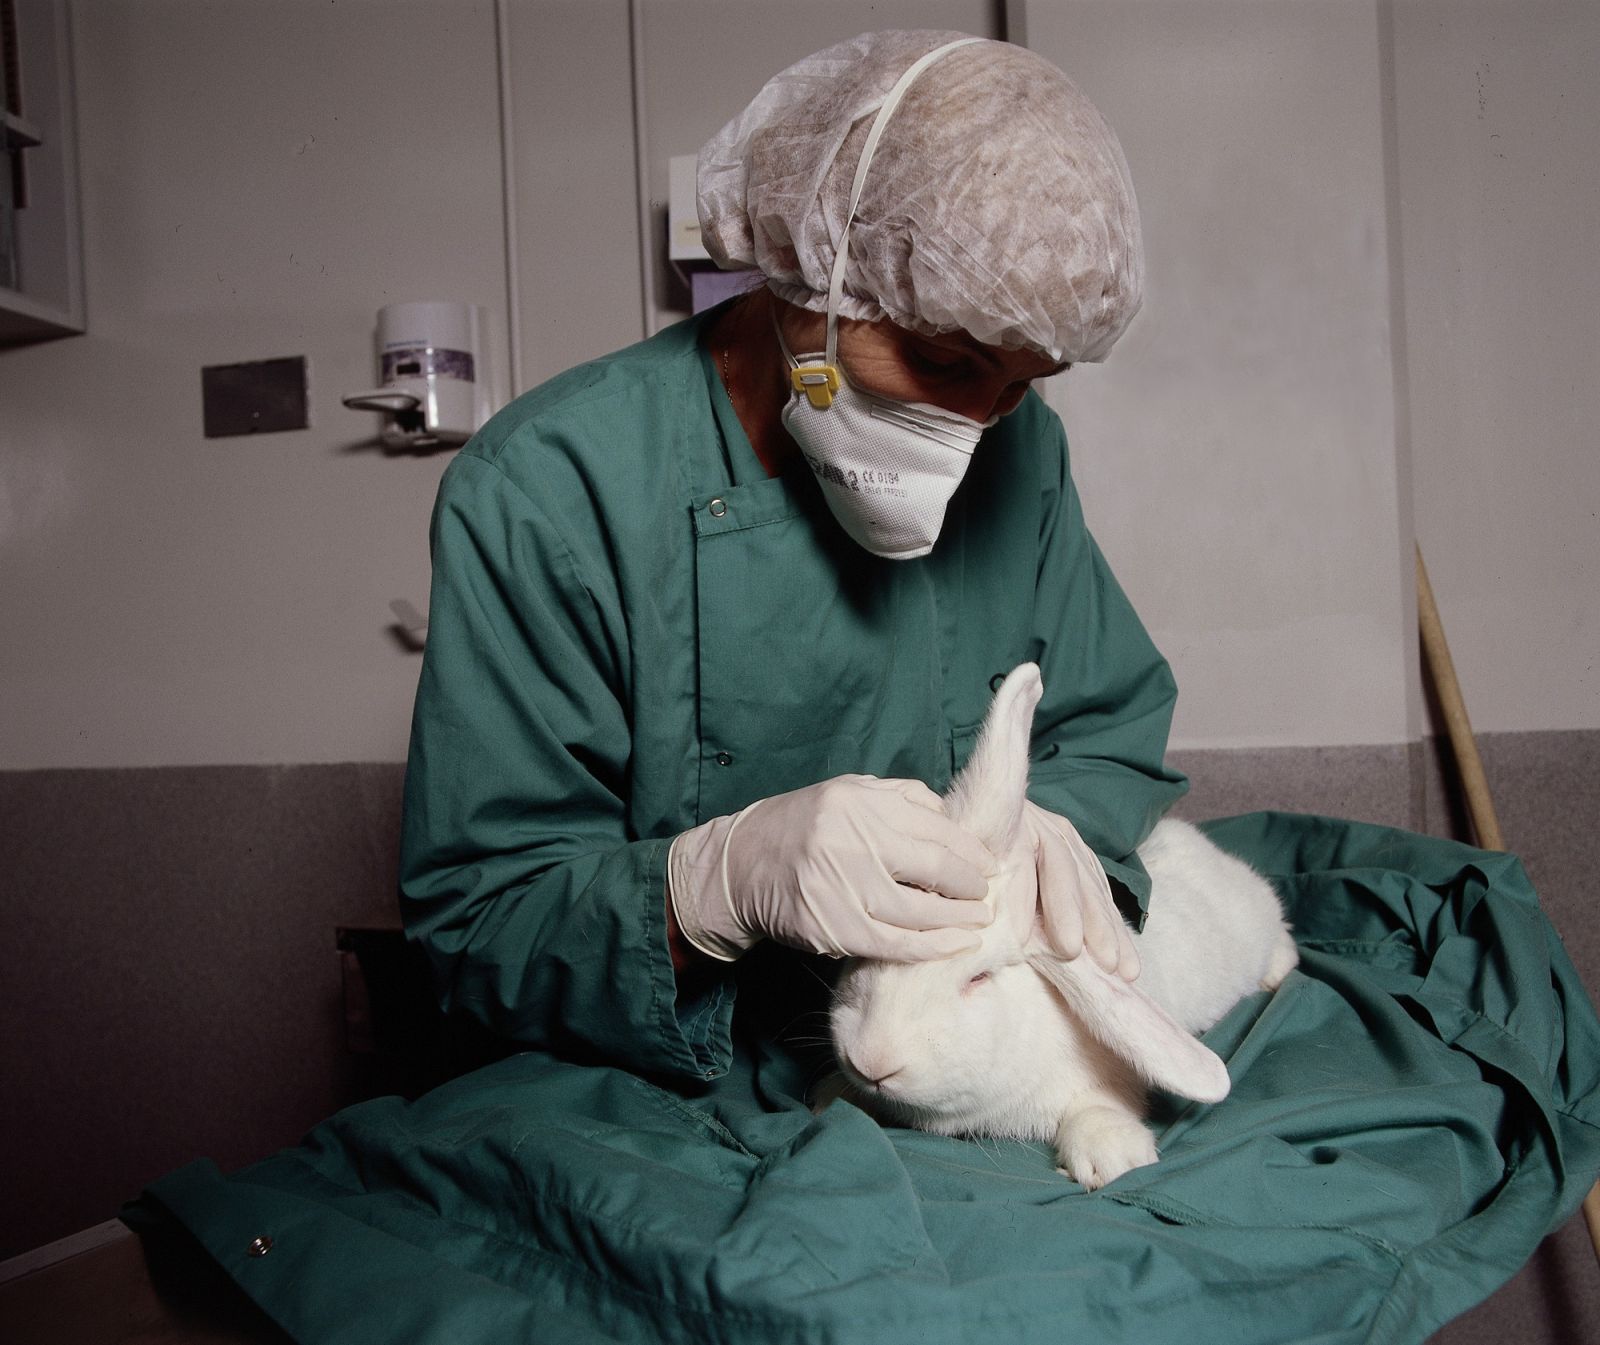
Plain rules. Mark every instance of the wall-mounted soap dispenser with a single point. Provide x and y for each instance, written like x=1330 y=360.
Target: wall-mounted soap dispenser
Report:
x=434 y=376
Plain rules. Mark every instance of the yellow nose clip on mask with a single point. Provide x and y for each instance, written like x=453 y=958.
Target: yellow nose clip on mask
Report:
x=818 y=381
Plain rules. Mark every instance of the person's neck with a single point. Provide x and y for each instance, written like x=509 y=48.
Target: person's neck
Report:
x=745 y=350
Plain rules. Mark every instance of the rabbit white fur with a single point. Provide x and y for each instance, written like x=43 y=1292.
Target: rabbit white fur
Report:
x=1013 y=1041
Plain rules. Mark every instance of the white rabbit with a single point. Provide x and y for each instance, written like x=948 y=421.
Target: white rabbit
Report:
x=1013 y=1041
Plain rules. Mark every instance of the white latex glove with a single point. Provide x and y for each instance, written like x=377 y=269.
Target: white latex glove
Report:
x=851 y=867
x=1075 y=895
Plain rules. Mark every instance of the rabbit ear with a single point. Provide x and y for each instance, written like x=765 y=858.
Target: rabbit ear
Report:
x=987 y=796
x=1127 y=1021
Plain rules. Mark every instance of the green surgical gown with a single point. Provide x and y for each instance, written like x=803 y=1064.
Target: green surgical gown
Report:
x=634 y=629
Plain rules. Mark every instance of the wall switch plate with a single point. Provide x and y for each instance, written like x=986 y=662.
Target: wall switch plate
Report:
x=258 y=397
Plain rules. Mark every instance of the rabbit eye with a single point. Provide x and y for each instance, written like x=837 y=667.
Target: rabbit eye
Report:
x=979 y=979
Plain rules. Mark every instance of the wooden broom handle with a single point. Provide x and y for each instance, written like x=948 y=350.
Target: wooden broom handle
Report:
x=1480 y=807
x=1442 y=673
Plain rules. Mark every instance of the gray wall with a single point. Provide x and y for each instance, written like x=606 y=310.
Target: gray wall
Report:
x=173 y=992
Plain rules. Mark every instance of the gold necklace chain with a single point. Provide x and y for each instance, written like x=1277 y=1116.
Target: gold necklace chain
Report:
x=727 y=378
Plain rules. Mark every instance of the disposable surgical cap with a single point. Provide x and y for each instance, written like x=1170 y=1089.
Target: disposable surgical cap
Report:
x=998 y=202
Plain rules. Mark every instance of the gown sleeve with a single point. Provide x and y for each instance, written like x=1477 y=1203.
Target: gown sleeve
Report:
x=541 y=915
x=1100 y=733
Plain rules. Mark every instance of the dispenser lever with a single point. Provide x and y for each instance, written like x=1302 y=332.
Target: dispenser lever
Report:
x=383 y=399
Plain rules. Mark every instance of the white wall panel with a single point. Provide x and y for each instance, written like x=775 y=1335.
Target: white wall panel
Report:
x=257 y=181
x=1499 y=123
x=577 y=219
x=1236 y=453
x=706 y=59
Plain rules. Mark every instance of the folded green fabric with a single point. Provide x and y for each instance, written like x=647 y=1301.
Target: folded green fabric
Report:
x=1413 y=1110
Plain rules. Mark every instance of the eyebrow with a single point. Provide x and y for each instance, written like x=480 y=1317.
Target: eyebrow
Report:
x=993 y=360
x=967 y=345
x=1051 y=372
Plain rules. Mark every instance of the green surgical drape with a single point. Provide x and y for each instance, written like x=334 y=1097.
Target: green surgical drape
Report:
x=633 y=630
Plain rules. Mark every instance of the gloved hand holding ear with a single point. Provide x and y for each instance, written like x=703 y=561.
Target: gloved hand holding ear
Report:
x=854 y=866
x=1075 y=902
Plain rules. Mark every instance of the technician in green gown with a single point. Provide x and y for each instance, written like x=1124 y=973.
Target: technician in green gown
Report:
x=712 y=620
x=652 y=610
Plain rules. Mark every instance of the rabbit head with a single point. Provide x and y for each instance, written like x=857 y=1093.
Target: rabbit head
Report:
x=986 y=1042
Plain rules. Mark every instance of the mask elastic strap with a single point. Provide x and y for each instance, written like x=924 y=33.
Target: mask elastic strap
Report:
x=777 y=330
x=820 y=382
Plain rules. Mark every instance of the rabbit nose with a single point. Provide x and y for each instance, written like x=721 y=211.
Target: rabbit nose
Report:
x=866 y=1072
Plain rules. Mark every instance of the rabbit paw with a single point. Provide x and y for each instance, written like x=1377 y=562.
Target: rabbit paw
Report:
x=1100 y=1144
x=1285 y=957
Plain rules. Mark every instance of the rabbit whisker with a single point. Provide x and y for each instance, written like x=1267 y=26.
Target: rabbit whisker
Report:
x=994 y=1157
x=801 y=1017
x=812 y=973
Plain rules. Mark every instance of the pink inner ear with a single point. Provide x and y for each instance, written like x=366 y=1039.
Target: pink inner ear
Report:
x=1127 y=1021
x=1015 y=895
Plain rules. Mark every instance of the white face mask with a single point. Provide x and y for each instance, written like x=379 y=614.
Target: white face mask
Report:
x=887 y=468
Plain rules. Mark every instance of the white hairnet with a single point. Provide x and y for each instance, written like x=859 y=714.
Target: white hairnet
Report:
x=998 y=202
